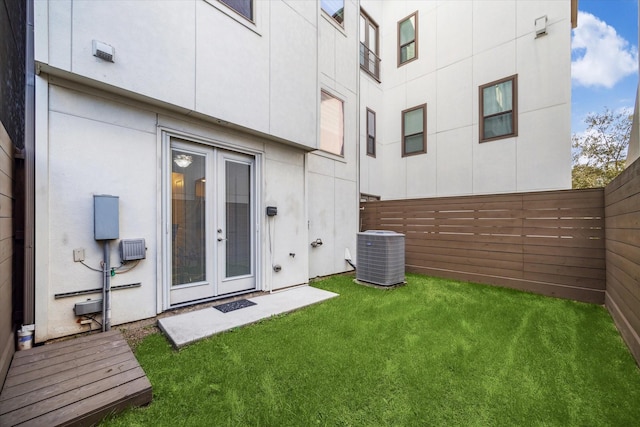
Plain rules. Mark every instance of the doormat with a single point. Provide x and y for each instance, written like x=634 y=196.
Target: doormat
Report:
x=234 y=305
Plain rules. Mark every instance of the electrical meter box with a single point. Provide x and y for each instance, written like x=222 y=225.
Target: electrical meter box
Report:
x=106 y=217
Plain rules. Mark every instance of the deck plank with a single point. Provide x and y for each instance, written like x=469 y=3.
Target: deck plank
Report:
x=78 y=382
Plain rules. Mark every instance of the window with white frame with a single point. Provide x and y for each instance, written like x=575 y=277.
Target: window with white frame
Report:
x=334 y=8
x=331 y=124
x=243 y=7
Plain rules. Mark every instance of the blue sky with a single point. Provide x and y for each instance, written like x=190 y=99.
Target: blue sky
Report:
x=604 y=52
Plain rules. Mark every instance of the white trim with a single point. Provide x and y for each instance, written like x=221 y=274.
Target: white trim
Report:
x=42 y=237
x=163 y=258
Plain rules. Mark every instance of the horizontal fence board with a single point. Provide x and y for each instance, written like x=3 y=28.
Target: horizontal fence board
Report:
x=579 y=282
x=630 y=204
x=565 y=261
x=549 y=289
x=462 y=237
x=537 y=240
x=560 y=251
x=628 y=305
x=623 y=185
x=629 y=252
x=630 y=237
x=489 y=256
x=465 y=260
x=626 y=221
x=631 y=268
x=616 y=276
x=590 y=213
x=471 y=269
x=563 y=270
x=631 y=337
x=475 y=245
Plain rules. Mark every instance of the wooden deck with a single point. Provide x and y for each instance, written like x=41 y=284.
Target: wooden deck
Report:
x=73 y=382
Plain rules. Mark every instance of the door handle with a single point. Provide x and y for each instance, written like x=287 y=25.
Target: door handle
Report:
x=220 y=239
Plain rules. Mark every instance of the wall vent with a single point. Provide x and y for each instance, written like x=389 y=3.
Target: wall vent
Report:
x=103 y=50
x=132 y=249
x=380 y=257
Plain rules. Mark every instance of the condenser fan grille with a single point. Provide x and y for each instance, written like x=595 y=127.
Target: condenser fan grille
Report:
x=380 y=257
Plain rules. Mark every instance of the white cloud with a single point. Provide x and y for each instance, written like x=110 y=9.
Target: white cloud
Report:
x=601 y=56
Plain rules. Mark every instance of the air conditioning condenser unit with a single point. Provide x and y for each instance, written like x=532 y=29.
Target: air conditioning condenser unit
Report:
x=380 y=257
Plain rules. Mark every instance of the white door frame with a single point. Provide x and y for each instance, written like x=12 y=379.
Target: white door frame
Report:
x=165 y=229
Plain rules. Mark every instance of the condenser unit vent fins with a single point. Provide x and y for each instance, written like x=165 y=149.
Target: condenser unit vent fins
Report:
x=132 y=249
x=380 y=257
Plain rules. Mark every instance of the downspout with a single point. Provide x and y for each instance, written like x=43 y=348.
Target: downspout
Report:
x=29 y=172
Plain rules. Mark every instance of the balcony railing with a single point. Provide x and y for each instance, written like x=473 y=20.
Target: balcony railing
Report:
x=369 y=61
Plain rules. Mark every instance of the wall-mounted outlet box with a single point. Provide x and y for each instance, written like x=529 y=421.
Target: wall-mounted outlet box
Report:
x=78 y=255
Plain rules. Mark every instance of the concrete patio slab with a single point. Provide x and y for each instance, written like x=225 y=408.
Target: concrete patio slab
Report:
x=189 y=327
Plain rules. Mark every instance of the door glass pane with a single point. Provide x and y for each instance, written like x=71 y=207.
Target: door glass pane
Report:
x=188 y=217
x=373 y=39
x=238 y=219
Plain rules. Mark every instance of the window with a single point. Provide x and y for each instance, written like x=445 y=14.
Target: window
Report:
x=331 y=124
x=335 y=8
x=408 y=39
x=413 y=130
x=371 y=133
x=499 y=109
x=243 y=7
x=369 y=41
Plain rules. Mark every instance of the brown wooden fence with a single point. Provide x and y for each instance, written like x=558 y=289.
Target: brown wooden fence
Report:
x=622 y=210
x=7 y=342
x=545 y=242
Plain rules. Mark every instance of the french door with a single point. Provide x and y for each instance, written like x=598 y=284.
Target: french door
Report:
x=211 y=213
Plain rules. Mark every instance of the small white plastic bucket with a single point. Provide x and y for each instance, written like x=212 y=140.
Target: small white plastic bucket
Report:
x=25 y=338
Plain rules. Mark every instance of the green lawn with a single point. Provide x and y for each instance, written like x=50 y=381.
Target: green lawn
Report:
x=434 y=352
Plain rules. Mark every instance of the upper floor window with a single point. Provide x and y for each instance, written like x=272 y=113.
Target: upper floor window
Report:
x=369 y=46
x=414 y=139
x=371 y=133
x=408 y=39
x=499 y=109
x=331 y=124
x=335 y=8
x=243 y=7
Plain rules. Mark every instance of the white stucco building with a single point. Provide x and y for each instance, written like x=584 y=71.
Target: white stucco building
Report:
x=460 y=50
x=200 y=114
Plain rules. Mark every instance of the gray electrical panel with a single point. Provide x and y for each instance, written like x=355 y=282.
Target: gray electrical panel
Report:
x=87 y=307
x=106 y=217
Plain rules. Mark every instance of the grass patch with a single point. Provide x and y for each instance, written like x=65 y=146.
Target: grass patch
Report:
x=434 y=352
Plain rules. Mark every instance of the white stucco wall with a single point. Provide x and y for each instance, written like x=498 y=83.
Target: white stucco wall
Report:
x=101 y=129
x=333 y=192
x=461 y=46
